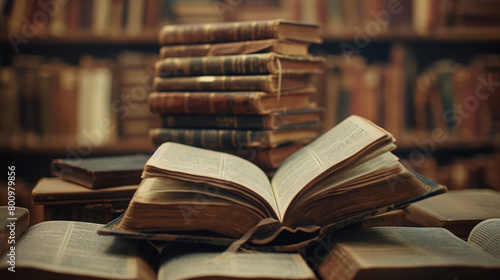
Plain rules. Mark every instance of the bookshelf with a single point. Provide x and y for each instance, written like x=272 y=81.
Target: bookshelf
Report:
x=452 y=32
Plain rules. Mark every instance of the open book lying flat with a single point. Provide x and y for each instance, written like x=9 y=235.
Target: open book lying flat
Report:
x=344 y=176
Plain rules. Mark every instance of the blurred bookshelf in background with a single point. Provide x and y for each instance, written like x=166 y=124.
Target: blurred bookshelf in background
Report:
x=412 y=67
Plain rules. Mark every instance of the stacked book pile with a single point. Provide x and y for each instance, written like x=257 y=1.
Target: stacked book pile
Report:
x=243 y=88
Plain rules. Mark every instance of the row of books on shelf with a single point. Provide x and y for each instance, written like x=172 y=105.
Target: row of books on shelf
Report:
x=478 y=171
x=51 y=103
x=381 y=17
x=448 y=102
x=191 y=189
x=77 y=19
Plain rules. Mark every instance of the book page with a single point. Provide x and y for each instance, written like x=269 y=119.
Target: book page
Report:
x=185 y=161
x=486 y=236
x=75 y=248
x=339 y=144
x=235 y=265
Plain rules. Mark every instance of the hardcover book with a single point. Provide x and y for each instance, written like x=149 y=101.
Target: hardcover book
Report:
x=268 y=83
x=404 y=253
x=101 y=172
x=241 y=64
x=343 y=176
x=73 y=250
x=243 y=102
x=236 y=138
x=458 y=211
x=239 y=31
x=274 y=120
x=245 y=47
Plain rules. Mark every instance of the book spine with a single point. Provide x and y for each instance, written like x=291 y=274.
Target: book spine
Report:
x=217 y=121
x=184 y=50
x=205 y=103
x=211 y=138
x=221 y=32
x=216 y=83
x=216 y=65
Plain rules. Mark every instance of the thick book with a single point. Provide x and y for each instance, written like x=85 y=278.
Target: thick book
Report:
x=13 y=223
x=243 y=102
x=403 y=253
x=239 y=31
x=64 y=200
x=236 y=138
x=101 y=172
x=73 y=250
x=274 y=120
x=231 y=48
x=58 y=191
x=241 y=64
x=342 y=177
x=268 y=83
x=458 y=211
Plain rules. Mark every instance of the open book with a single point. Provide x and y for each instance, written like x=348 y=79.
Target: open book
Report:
x=402 y=253
x=346 y=174
x=73 y=250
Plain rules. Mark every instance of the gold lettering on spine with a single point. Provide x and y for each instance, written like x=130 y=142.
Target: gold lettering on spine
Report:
x=186 y=102
x=211 y=102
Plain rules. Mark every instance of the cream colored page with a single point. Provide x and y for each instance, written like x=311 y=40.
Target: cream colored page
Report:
x=412 y=247
x=201 y=162
x=75 y=248
x=237 y=265
x=486 y=236
x=381 y=162
x=333 y=147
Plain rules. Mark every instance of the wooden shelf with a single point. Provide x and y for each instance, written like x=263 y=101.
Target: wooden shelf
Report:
x=148 y=38
x=122 y=146
x=453 y=34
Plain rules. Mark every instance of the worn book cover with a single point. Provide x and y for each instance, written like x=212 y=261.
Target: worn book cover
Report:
x=344 y=176
x=101 y=172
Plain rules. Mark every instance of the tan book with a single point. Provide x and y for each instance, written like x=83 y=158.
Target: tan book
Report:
x=458 y=211
x=404 y=253
x=267 y=83
x=232 y=48
x=345 y=175
x=244 y=102
x=73 y=250
x=238 y=31
x=13 y=223
x=240 y=64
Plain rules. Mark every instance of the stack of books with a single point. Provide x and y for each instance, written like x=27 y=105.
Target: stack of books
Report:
x=244 y=88
x=90 y=189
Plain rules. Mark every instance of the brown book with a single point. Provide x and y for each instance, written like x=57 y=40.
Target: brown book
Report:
x=246 y=64
x=274 y=120
x=238 y=31
x=232 y=48
x=73 y=250
x=403 y=253
x=13 y=223
x=344 y=175
x=458 y=211
x=100 y=172
x=59 y=191
x=227 y=102
x=235 y=138
x=267 y=83
x=485 y=236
